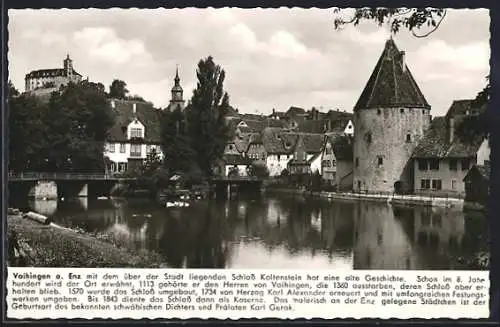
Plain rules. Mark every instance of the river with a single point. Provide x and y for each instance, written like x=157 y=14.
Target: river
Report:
x=281 y=232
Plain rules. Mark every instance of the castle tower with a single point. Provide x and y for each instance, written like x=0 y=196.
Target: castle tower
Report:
x=176 y=100
x=68 y=67
x=390 y=117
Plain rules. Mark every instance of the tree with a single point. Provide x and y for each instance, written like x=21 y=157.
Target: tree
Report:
x=206 y=116
x=413 y=19
x=258 y=170
x=176 y=145
x=77 y=120
x=118 y=89
x=27 y=132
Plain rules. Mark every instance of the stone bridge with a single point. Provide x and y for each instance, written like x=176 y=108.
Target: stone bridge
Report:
x=43 y=185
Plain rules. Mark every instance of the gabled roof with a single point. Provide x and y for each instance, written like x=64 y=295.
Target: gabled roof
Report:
x=464 y=108
x=313 y=143
x=436 y=143
x=295 y=111
x=277 y=141
x=391 y=84
x=145 y=113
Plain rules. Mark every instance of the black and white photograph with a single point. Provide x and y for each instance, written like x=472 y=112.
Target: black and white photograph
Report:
x=320 y=139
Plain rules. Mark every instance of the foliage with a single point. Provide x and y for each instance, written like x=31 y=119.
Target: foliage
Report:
x=258 y=170
x=27 y=132
x=206 y=116
x=285 y=173
x=78 y=119
x=233 y=172
x=412 y=19
x=176 y=145
x=65 y=134
x=150 y=176
x=118 y=89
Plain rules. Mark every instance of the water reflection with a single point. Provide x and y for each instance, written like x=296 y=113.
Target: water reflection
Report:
x=284 y=232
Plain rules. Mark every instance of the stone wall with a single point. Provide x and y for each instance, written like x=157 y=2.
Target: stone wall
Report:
x=44 y=190
x=383 y=133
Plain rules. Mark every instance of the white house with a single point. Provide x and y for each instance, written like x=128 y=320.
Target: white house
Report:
x=135 y=134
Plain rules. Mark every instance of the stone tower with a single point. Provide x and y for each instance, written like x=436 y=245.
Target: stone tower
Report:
x=391 y=115
x=176 y=99
x=68 y=67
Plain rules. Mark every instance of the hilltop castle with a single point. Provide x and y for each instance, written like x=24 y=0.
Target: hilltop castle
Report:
x=50 y=79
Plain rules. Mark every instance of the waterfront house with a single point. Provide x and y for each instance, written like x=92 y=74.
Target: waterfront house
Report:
x=307 y=155
x=443 y=158
x=337 y=166
x=135 y=134
x=477 y=184
x=279 y=146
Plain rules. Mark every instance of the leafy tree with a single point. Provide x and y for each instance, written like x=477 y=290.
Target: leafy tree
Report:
x=118 y=89
x=176 y=146
x=78 y=120
x=27 y=133
x=206 y=116
x=413 y=19
x=258 y=170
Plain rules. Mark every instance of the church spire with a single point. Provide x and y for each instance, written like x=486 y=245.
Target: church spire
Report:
x=177 y=79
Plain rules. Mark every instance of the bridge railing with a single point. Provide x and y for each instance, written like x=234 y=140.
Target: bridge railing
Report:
x=58 y=175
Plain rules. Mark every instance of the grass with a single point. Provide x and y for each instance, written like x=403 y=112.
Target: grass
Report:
x=50 y=246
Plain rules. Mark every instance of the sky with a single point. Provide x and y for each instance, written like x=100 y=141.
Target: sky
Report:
x=273 y=58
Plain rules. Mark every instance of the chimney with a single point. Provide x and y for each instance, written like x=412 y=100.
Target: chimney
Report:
x=403 y=60
x=134 y=108
x=451 y=128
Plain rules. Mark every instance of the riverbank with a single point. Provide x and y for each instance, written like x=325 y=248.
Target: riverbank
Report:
x=54 y=246
x=386 y=198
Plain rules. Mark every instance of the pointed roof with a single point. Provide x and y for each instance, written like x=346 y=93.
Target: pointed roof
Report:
x=177 y=86
x=391 y=83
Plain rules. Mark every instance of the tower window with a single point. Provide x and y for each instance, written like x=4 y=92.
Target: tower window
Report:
x=357 y=162
x=408 y=138
x=379 y=112
x=380 y=161
x=402 y=110
x=368 y=137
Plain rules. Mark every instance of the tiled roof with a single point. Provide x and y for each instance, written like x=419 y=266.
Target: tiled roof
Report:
x=49 y=73
x=312 y=126
x=313 y=143
x=436 y=142
x=277 y=141
x=463 y=108
x=391 y=83
x=145 y=113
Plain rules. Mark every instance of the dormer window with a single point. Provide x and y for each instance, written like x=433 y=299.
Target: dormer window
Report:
x=136 y=133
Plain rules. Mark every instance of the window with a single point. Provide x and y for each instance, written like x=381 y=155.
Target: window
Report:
x=148 y=148
x=380 y=161
x=230 y=147
x=402 y=110
x=465 y=164
x=453 y=164
x=368 y=137
x=434 y=164
x=357 y=162
x=422 y=164
x=436 y=184
x=453 y=184
x=135 y=150
x=122 y=148
x=111 y=147
x=425 y=184
x=379 y=112
x=334 y=163
x=135 y=132
x=408 y=138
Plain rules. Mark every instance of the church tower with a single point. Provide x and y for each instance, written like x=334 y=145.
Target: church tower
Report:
x=390 y=117
x=176 y=99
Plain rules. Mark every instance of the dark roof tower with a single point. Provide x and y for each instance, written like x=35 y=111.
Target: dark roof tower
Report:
x=391 y=84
